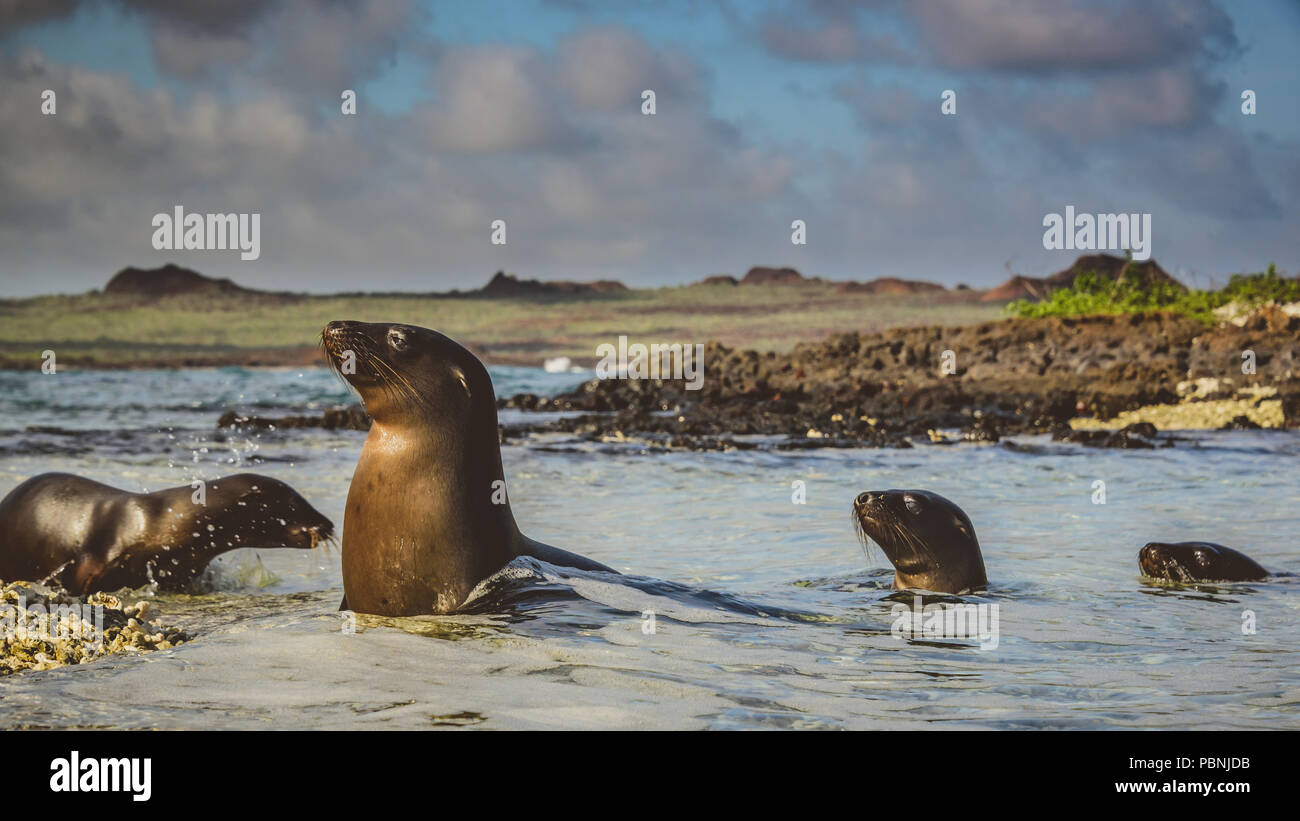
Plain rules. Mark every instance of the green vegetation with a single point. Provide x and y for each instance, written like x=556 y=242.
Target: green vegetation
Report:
x=1094 y=294
x=107 y=330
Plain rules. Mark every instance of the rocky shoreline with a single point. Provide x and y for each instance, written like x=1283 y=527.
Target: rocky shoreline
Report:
x=1106 y=381
x=43 y=628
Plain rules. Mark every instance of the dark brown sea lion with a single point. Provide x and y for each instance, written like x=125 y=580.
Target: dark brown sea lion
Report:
x=1198 y=562
x=427 y=516
x=87 y=536
x=927 y=538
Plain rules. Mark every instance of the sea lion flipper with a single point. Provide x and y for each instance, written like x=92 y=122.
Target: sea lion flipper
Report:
x=343 y=605
x=561 y=558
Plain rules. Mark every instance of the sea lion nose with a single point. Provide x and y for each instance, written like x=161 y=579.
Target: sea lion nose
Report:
x=339 y=327
x=864 y=499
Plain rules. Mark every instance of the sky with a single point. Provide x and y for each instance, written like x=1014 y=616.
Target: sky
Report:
x=826 y=111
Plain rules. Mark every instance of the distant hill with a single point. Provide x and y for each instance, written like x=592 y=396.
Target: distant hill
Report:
x=172 y=279
x=1105 y=265
x=889 y=285
x=719 y=279
x=1017 y=287
x=761 y=275
x=169 y=280
x=507 y=285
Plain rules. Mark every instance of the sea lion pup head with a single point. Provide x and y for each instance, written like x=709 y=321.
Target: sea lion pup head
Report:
x=251 y=510
x=399 y=368
x=927 y=538
x=1197 y=562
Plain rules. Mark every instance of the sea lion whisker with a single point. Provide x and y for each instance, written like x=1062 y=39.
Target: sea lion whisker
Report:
x=398 y=386
x=403 y=387
x=861 y=532
x=923 y=549
x=916 y=546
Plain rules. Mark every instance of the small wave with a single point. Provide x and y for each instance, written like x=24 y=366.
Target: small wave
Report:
x=522 y=580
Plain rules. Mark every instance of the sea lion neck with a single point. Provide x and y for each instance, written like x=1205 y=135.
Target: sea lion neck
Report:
x=465 y=468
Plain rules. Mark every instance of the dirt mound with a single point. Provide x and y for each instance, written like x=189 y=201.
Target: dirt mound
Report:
x=1104 y=265
x=169 y=280
x=1111 y=267
x=889 y=285
x=1017 y=287
x=719 y=279
x=760 y=275
x=507 y=285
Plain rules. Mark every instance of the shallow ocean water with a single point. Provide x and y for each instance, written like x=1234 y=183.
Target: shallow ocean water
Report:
x=765 y=613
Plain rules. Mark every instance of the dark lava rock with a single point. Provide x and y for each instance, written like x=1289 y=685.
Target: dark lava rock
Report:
x=1242 y=422
x=353 y=418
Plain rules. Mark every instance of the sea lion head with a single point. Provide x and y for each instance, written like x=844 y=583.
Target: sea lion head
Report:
x=251 y=510
x=927 y=538
x=1197 y=562
x=398 y=369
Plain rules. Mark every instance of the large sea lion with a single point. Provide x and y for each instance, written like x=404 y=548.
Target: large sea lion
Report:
x=927 y=538
x=86 y=536
x=1198 y=562
x=427 y=516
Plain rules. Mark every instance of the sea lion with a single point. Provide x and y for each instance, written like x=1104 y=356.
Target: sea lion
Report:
x=87 y=536
x=927 y=538
x=427 y=515
x=1198 y=562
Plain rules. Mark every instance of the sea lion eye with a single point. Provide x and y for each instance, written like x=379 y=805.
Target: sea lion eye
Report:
x=397 y=340
x=912 y=504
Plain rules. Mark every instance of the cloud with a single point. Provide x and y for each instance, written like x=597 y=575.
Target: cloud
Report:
x=183 y=54
x=15 y=14
x=883 y=106
x=930 y=191
x=219 y=16
x=835 y=40
x=551 y=138
x=497 y=99
x=312 y=46
x=608 y=67
x=1040 y=36
x=1018 y=36
x=588 y=186
x=203 y=16
x=298 y=45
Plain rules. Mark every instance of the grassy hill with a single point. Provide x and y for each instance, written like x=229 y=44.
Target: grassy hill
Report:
x=134 y=330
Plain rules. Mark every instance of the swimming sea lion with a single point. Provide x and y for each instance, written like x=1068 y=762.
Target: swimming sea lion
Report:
x=927 y=538
x=1197 y=562
x=427 y=516
x=87 y=536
